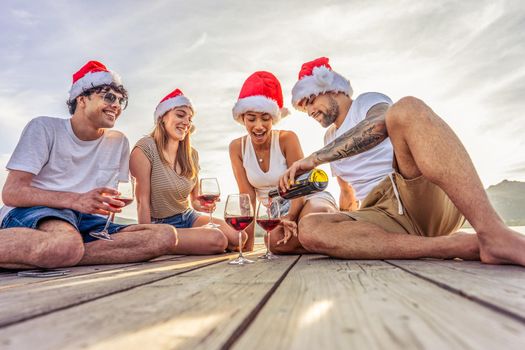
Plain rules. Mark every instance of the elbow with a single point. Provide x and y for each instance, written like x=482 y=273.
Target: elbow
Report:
x=9 y=197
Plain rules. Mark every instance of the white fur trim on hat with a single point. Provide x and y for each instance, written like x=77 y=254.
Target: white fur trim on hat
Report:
x=169 y=104
x=322 y=80
x=260 y=104
x=91 y=80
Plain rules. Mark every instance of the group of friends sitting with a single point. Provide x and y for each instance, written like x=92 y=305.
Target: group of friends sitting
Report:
x=407 y=183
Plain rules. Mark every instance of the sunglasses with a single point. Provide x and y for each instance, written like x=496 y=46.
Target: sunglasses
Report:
x=110 y=98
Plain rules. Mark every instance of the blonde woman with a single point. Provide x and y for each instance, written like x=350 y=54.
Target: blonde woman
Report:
x=166 y=168
x=263 y=155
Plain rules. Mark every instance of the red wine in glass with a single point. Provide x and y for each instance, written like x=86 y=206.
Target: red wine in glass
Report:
x=208 y=198
x=239 y=223
x=268 y=224
x=209 y=192
x=126 y=195
x=126 y=200
x=238 y=213
x=268 y=216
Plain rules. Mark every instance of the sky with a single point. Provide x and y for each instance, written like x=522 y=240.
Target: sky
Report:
x=465 y=59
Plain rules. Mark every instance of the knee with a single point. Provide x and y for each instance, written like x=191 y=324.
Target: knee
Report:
x=405 y=112
x=308 y=231
x=64 y=249
x=217 y=241
x=310 y=224
x=165 y=235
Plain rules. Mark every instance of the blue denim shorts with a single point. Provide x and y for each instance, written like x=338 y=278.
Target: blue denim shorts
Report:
x=84 y=223
x=182 y=220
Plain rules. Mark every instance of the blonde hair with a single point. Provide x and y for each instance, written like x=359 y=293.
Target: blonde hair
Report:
x=184 y=156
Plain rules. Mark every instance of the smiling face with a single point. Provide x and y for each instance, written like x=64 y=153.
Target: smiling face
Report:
x=100 y=113
x=323 y=108
x=259 y=126
x=177 y=122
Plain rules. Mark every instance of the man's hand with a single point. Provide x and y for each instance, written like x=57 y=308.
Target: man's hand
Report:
x=98 y=201
x=297 y=168
x=290 y=229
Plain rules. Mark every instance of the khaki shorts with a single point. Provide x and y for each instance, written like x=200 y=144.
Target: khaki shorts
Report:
x=427 y=210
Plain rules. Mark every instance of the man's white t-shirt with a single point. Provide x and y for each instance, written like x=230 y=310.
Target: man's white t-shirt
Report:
x=49 y=149
x=365 y=170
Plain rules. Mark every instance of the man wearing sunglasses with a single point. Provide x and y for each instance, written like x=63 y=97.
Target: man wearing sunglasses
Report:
x=61 y=180
x=414 y=177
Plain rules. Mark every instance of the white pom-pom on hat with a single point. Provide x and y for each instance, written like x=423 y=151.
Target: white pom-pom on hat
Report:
x=92 y=74
x=261 y=92
x=317 y=77
x=173 y=100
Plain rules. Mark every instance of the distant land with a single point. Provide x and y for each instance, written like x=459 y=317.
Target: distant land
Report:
x=508 y=197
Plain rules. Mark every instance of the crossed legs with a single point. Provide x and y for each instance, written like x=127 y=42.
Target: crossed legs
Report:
x=424 y=145
x=57 y=244
x=294 y=246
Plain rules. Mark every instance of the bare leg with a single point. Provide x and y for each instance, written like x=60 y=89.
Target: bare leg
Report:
x=54 y=244
x=134 y=243
x=425 y=144
x=293 y=246
x=231 y=235
x=339 y=236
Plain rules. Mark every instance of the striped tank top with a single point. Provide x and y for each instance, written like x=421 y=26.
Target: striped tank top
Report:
x=169 y=190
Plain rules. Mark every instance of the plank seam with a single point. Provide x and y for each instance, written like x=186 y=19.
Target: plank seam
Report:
x=41 y=281
x=234 y=337
x=7 y=324
x=459 y=292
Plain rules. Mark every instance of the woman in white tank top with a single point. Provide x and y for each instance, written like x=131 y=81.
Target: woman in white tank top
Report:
x=263 y=155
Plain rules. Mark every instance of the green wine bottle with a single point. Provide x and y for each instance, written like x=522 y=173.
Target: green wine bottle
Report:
x=313 y=181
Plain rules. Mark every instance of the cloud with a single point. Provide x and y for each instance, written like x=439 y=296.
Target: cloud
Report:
x=24 y=17
x=201 y=41
x=463 y=58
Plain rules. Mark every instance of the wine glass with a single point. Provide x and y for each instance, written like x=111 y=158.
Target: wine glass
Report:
x=238 y=213
x=127 y=194
x=268 y=217
x=209 y=192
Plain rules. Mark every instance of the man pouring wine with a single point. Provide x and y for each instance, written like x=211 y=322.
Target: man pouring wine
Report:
x=411 y=172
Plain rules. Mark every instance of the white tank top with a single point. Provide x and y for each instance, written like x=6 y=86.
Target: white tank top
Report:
x=261 y=181
x=365 y=170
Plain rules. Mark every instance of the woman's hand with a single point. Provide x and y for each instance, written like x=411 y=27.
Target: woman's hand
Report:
x=203 y=206
x=289 y=230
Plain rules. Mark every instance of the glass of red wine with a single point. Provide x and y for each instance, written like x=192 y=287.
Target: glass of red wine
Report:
x=127 y=195
x=238 y=213
x=268 y=217
x=209 y=193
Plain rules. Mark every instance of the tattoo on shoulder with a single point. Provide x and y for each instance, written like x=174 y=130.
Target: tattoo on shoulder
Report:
x=364 y=136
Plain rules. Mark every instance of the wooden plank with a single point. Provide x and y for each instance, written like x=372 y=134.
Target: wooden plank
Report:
x=501 y=287
x=24 y=302
x=334 y=304
x=195 y=310
x=11 y=279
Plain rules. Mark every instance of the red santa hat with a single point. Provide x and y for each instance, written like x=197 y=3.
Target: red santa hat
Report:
x=317 y=77
x=174 y=99
x=92 y=74
x=261 y=92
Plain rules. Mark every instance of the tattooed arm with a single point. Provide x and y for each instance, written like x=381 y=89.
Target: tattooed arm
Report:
x=364 y=136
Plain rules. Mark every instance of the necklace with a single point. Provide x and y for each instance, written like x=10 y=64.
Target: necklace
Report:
x=259 y=158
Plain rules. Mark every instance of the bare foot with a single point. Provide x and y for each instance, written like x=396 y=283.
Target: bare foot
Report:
x=503 y=246
x=466 y=245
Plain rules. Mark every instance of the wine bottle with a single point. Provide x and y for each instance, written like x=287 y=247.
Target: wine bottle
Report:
x=313 y=181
